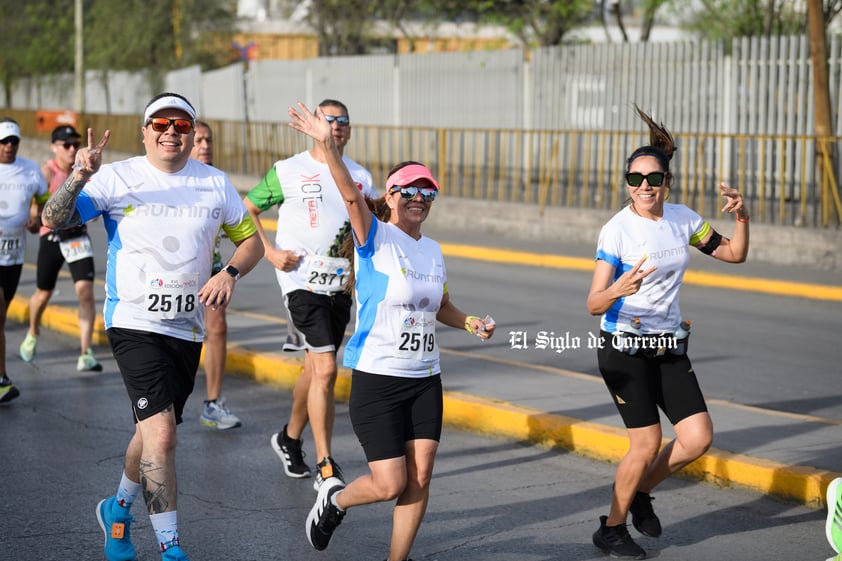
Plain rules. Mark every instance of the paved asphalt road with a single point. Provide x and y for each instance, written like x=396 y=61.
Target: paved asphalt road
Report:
x=492 y=499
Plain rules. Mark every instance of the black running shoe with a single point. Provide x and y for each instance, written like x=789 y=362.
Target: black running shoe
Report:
x=8 y=391
x=291 y=454
x=616 y=541
x=643 y=515
x=325 y=516
x=325 y=469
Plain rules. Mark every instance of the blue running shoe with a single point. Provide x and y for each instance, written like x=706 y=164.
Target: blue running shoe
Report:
x=833 y=526
x=115 y=521
x=174 y=553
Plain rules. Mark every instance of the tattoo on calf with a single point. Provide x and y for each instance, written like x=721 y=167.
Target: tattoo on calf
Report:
x=154 y=487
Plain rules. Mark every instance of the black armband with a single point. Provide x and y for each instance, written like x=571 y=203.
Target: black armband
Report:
x=713 y=243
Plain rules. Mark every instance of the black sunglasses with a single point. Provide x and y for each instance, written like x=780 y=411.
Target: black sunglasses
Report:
x=13 y=140
x=408 y=192
x=69 y=145
x=341 y=121
x=654 y=178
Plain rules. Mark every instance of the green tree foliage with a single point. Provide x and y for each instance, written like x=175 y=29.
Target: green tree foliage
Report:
x=157 y=34
x=724 y=19
x=37 y=37
x=343 y=26
x=545 y=22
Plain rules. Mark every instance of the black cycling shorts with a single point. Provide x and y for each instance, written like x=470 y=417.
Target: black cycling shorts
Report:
x=158 y=370
x=389 y=411
x=640 y=385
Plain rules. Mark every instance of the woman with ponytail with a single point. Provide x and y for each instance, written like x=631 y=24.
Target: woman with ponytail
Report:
x=641 y=257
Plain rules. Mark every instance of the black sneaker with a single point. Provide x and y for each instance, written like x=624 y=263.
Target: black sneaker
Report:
x=643 y=515
x=325 y=516
x=325 y=469
x=616 y=541
x=8 y=391
x=291 y=454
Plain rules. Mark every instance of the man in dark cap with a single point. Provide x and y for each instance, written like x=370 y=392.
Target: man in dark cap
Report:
x=57 y=247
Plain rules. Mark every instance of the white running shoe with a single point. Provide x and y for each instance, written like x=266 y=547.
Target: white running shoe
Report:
x=217 y=416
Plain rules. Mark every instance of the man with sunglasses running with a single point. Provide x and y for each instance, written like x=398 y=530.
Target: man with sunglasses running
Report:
x=162 y=212
x=312 y=225
x=56 y=247
x=21 y=181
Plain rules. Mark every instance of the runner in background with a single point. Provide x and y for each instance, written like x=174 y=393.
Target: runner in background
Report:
x=21 y=181
x=215 y=413
x=312 y=226
x=57 y=247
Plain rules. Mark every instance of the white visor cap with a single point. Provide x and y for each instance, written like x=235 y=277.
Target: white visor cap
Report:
x=169 y=102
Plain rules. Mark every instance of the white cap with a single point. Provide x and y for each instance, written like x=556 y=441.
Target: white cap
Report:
x=169 y=102
x=8 y=129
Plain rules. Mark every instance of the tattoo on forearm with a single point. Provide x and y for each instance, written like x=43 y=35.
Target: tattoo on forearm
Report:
x=153 y=482
x=60 y=210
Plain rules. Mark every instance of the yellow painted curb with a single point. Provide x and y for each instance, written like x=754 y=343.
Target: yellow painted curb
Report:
x=806 y=485
x=499 y=418
x=57 y=318
x=714 y=280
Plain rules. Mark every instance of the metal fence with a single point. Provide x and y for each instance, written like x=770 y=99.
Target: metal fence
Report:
x=572 y=168
x=550 y=130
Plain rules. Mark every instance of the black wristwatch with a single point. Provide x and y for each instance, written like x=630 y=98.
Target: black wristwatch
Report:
x=232 y=270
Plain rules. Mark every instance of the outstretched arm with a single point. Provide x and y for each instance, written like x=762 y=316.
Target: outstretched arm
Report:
x=735 y=248
x=316 y=127
x=60 y=210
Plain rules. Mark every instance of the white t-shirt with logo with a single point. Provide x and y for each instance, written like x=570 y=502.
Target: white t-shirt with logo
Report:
x=625 y=239
x=312 y=219
x=400 y=282
x=20 y=181
x=161 y=231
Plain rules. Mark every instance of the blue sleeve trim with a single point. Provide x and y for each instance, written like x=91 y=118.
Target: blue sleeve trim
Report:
x=85 y=207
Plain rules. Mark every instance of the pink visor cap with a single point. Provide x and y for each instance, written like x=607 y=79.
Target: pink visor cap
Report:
x=407 y=174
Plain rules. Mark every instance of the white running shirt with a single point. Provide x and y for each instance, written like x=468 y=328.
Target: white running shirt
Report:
x=161 y=231
x=20 y=181
x=625 y=239
x=400 y=283
x=312 y=219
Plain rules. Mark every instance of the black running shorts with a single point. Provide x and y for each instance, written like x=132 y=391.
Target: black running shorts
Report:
x=639 y=385
x=10 y=278
x=389 y=411
x=50 y=261
x=319 y=320
x=158 y=370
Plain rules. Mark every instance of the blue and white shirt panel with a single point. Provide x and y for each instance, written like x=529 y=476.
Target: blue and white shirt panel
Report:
x=161 y=232
x=400 y=282
x=626 y=239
